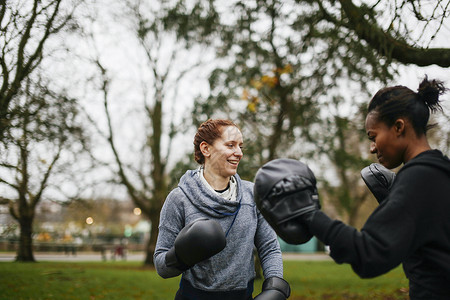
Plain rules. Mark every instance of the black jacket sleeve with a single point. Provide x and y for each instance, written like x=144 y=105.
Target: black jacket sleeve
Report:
x=384 y=241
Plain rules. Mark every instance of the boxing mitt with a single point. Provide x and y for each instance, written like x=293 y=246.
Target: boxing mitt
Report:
x=285 y=193
x=196 y=242
x=378 y=179
x=274 y=288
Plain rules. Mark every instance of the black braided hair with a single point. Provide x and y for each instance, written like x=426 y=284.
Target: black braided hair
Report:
x=392 y=103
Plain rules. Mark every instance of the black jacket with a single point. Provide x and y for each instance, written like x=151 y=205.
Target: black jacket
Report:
x=411 y=226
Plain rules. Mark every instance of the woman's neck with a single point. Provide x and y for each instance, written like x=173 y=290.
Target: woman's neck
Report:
x=418 y=146
x=216 y=181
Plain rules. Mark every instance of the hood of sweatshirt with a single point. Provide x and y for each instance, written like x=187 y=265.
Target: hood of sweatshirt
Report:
x=433 y=158
x=205 y=199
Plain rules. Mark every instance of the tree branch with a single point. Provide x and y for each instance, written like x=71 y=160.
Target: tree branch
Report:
x=9 y=184
x=4 y=201
x=13 y=211
x=389 y=46
x=134 y=194
x=44 y=181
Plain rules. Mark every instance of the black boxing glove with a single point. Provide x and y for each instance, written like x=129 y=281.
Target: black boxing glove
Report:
x=196 y=242
x=274 y=288
x=285 y=192
x=378 y=179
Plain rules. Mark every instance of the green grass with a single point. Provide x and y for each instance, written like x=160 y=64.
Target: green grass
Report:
x=328 y=280
x=129 y=280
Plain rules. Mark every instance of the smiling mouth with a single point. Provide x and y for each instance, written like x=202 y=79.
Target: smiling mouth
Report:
x=234 y=162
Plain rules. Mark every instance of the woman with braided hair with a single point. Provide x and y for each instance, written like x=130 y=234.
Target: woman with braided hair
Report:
x=209 y=226
x=398 y=111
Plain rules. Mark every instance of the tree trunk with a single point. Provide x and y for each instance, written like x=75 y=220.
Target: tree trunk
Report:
x=25 y=251
x=151 y=244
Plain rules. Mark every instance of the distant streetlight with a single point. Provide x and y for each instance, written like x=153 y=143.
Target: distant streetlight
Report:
x=137 y=211
x=89 y=220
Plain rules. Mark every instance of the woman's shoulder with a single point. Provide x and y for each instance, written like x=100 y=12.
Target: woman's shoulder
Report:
x=432 y=160
x=247 y=184
x=175 y=196
x=247 y=192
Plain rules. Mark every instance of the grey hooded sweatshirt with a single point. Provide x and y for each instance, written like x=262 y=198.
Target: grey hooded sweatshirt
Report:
x=233 y=267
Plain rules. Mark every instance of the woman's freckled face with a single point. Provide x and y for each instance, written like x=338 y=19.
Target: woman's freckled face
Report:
x=226 y=152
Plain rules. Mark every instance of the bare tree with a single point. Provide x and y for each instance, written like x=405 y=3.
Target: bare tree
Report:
x=41 y=133
x=145 y=174
x=26 y=27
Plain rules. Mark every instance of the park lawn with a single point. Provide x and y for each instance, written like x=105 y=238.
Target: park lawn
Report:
x=83 y=280
x=328 y=280
x=130 y=280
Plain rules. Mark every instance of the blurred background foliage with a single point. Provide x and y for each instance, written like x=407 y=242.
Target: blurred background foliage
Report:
x=101 y=99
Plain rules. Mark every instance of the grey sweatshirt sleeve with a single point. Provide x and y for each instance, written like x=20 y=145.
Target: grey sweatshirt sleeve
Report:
x=170 y=224
x=268 y=248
